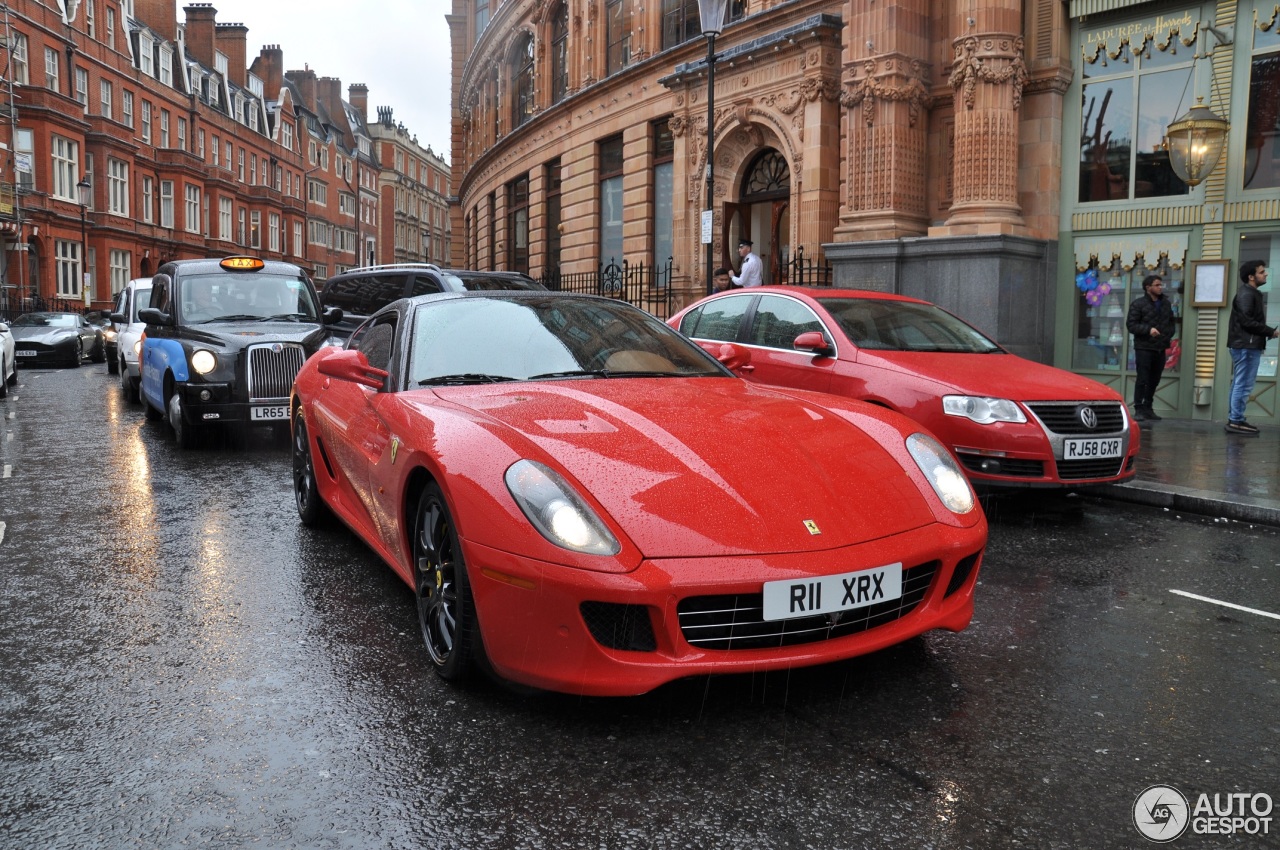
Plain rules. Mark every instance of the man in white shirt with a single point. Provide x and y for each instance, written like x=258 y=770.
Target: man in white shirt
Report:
x=752 y=268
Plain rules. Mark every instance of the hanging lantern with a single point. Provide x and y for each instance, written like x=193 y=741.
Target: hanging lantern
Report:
x=1195 y=143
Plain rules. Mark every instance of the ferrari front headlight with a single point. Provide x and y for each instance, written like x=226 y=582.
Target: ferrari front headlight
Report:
x=203 y=361
x=943 y=473
x=982 y=410
x=559 y=513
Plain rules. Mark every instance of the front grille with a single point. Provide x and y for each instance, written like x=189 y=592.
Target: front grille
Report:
x=1064 y=417
x=737 y=621
x=1075 y=470
x=619 y=626
x=961 y=573
x=1002 y=465
x=272 y=368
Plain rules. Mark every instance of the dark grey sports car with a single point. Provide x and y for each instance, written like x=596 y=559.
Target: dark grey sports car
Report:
x=56 y=339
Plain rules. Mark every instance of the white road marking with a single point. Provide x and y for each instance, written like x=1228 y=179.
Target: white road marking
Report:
x=1 y=532
x=7 y=469
x=1226 y=604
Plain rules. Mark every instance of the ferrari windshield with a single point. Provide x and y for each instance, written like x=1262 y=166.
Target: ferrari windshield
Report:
x=493 y=338
x=888 y=325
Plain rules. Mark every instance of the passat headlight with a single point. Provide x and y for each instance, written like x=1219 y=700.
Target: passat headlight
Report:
x=558 y=513
x=943 y=472
x=203 y=361
x=984 y=411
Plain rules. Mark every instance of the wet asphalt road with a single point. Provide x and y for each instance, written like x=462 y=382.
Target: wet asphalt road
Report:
x=184 y=665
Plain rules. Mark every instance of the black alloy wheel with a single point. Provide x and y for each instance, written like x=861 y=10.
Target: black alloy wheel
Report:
x=77 y=354
x=184 y=432
x=113 y=365
x=446 y=611
x=311 y=508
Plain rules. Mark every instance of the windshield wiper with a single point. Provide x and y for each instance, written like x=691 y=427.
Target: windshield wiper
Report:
x=236 y=317
x=573 y=373
x=285 y=317
x=464 y=378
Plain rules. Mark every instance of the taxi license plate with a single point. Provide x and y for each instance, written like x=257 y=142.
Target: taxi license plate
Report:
x=1088 y=449
x=828 y=594
x=24 y=352
x=274 y=412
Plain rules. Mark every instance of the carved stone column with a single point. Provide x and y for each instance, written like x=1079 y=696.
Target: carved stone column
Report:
x=987 y=77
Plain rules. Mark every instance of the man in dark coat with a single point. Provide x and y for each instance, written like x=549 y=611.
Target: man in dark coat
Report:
x=1247 y=336
x=1151 y=323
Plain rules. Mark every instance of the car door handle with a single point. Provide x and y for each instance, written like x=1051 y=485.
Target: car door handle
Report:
x=747 y=368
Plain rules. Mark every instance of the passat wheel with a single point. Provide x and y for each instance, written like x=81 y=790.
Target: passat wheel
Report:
x=446 y=612
x=311 y=509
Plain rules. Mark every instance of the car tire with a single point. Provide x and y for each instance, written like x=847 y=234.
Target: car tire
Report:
x=13 y=379
x=99 y=353
x=113 y=366
x=4 y=377
x=446 y=612
x=77 y=355
x=184 y=432
x=311 y=508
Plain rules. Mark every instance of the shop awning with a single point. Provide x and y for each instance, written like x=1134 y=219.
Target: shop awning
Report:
x=1080 y=8
x=1128 y=246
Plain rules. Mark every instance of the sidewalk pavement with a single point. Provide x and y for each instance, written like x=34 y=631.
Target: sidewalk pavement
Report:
x=1195 y=466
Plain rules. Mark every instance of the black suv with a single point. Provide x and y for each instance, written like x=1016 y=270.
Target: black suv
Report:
x=361 y=292
x=224 y=341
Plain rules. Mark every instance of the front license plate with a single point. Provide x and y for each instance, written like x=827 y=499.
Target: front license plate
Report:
x=24 y=352
x=1086 y=449
x=828 y=594
x=279 y=411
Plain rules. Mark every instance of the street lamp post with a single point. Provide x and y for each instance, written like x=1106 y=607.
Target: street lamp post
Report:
x=711 y=14
x=84 y=188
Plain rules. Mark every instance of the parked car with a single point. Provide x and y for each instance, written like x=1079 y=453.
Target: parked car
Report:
x=102 y=321
x=8 y=361
x=1010 y=421
x=550 y=473
x=56 y=339
x=361 y=292
x=134 y=297
x=224 y=340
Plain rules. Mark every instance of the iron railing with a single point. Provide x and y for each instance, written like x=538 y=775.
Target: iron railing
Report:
x=12 y=306
x=646 y=286
x=802 y=272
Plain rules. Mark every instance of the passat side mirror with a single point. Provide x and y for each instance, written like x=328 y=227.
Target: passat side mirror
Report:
x=352 y=366
x=813 y=341
x=152 y=316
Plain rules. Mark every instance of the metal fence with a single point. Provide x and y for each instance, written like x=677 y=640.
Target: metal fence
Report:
x=646 y=286
x=802 y=272
x=12 y=306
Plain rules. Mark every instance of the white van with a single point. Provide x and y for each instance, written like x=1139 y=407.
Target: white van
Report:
x=135 y=296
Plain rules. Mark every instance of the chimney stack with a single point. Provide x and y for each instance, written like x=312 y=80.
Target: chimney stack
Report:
x=159 y=15
x=231 y=40
x=269 y=67
x=200 y=28
x=358 y=95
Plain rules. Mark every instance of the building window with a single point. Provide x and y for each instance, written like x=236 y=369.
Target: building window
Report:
x=200 y=144
x=1262 y=135
x=518 y=225
x=610 y=170
x=111 y=27
x=297 y=239
x=226 y=154
x=164 y=128
x=90 y=20
x=126 y=108
x=146 y=121
x=482 y=16
x=255 y=229
x=182 y=134
x=560 y=53
x=1127 y=101
x=166 y=65
x=217 y=152
x=120 y=262
x=551 y=180
x=224 y=219
x=146 y=59
x=148 y=200
x=240 y=164
x=617 y=35
x=21 y=72
x=240 y=226
x=522 y=83
x=286 y=136
x=192 y=219
x=66 y=169
x=347 y=204
x=166 y=203
x=273 y=232
x=1103 y=341
x=51 y=72
x=117 y=187
x=104 y=99
x=82 y=88
x=253 y=169
x=680 y=22
x=24 y=165
x=664 y=149
x=67 y=260
x=317 y=192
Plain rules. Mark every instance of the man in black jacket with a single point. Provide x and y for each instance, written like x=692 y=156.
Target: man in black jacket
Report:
x=1247 y=336
x=1151 y=323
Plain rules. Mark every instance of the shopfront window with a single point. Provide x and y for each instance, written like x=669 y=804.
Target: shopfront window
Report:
x=1262 y=135
x=1137 y=75
x=1104 y=290
x=1264 y=247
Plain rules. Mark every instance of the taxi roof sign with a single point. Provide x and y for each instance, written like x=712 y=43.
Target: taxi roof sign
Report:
x=242 y=264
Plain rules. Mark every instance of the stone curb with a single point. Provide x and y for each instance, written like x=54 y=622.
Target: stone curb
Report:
x=1207 y=502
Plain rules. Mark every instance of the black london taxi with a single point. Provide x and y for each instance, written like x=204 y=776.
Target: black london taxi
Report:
x=224 y=340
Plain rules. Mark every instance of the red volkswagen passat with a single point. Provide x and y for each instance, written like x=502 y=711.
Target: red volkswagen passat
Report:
x=1009 y=420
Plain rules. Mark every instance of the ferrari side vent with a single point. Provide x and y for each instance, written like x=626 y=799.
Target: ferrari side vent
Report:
x=962 y=572
x=620 y=626
x=737 y=621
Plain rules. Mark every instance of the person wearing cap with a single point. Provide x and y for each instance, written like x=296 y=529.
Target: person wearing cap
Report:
x=752 y=268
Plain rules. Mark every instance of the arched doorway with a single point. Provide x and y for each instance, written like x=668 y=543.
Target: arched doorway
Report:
x=763 y=214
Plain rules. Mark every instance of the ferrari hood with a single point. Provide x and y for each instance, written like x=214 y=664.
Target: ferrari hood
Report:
x=708 y=466
x=42 y=335
x=996 y=375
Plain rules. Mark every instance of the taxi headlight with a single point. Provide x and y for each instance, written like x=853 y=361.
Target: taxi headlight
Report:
x=559 y=513
x=108 y=334
x=203 y=361
x=984 y=411
x=137 y=348
x=943 y=473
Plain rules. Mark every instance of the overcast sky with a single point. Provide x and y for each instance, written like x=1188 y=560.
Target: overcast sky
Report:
x=398 y=48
